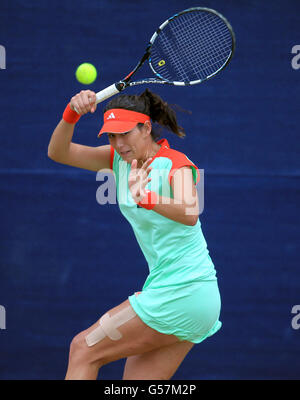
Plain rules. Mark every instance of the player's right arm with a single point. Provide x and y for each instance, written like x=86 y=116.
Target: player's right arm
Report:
x=61 y=148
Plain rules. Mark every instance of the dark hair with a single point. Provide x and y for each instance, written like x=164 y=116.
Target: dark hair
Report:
x=150 y=104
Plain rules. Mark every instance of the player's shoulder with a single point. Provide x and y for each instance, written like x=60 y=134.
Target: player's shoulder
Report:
x=177 y=158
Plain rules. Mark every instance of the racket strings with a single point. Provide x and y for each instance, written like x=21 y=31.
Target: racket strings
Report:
x=193 y=46
x=208 y=52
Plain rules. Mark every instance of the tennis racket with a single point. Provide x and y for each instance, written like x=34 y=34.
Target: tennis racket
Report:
x=188 y=48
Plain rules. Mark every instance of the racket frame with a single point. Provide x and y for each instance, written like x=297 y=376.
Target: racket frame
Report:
x=122 y=84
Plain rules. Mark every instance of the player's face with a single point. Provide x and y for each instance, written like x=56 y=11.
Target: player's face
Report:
x=130 y=145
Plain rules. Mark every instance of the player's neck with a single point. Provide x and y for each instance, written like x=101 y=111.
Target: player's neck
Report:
x=149 y=153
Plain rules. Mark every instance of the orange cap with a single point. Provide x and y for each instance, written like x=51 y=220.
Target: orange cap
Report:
x=118 y=120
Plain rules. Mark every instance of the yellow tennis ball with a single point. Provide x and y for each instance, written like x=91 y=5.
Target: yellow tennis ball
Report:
x=86 y=73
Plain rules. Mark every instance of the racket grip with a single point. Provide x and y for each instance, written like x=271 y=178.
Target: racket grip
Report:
x=106 y=93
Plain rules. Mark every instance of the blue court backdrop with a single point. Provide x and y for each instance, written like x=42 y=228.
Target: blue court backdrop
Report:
x=65 y=259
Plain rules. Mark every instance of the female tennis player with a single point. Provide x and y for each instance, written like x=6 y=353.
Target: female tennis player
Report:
x=179 y=304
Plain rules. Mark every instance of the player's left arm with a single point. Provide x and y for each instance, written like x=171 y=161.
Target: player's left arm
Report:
x=184 y=208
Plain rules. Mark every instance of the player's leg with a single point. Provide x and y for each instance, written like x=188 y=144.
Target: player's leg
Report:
x=94 y=347
x=160 y=364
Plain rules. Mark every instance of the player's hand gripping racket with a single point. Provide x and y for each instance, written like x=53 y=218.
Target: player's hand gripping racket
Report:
x=188 y=48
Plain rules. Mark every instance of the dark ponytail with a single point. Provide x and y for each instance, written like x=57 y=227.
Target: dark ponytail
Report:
x=150 y=104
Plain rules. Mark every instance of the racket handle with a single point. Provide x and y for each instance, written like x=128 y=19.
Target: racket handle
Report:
x=108 y=92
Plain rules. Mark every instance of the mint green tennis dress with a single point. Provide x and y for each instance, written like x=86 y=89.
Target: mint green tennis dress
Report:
x=180 y=295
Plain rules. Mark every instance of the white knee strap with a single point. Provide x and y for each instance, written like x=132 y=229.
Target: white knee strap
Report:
x=108 y=326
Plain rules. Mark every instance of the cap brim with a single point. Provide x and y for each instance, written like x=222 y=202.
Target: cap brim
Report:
x=117 y=127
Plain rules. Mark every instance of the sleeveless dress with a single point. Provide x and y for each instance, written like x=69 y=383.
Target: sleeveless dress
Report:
x=180 y=295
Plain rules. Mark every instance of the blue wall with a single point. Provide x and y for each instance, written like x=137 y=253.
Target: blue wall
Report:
x=62 y=262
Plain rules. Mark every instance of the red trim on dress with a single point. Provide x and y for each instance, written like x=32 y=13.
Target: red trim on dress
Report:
x=112 y=153
x=178 y=159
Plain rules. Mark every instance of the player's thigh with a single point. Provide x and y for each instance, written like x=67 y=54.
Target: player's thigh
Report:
x=158 y=364
x=136 y=338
